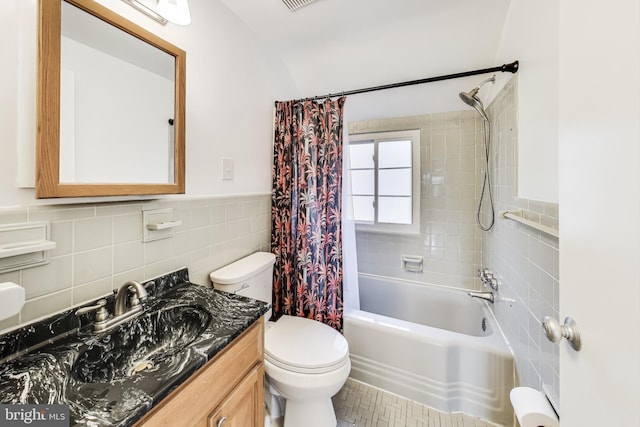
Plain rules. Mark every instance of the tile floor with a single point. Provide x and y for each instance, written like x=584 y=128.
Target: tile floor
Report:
x=361 y=405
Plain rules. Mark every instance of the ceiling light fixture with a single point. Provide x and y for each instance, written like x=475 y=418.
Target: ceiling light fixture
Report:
x=174 y=11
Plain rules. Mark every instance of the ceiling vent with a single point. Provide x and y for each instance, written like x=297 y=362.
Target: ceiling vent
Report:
x=296 y=4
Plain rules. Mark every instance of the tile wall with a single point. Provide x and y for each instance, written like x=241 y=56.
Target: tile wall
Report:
x=524 y=259
x=99 y=247
x=449 y=241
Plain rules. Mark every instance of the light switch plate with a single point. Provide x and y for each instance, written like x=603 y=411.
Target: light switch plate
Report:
x=227 y=168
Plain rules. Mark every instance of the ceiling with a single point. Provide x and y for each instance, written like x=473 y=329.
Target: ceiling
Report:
x=376 y=41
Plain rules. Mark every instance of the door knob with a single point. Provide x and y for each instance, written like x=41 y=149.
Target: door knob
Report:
x=554 y=331
x=221 y=421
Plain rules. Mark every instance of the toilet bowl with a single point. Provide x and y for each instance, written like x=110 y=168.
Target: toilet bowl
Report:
x=306 y=362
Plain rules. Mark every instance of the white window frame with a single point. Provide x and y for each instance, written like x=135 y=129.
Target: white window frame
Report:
x=376 y=137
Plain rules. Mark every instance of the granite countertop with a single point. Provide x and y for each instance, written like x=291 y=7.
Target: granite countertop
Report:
x=61 y=360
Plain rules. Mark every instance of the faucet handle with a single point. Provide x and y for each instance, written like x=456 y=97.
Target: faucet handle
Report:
x=135 y=300
x=101 y=312
x=140 y=293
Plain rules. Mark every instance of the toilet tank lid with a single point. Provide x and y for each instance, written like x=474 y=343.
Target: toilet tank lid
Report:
x=243 y=268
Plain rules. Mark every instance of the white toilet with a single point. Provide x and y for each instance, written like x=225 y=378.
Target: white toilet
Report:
x=306 y=362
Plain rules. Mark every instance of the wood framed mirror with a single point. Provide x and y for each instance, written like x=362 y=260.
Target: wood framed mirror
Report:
x=110 y=105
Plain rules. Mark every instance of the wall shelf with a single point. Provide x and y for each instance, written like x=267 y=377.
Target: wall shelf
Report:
x=517 y=216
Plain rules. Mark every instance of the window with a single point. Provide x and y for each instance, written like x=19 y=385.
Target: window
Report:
x=385 y=181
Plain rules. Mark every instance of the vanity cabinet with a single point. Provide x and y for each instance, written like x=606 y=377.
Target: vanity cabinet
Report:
x=226 y=392
x=240 y=408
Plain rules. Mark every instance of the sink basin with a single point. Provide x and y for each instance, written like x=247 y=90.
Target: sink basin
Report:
x=144 y=344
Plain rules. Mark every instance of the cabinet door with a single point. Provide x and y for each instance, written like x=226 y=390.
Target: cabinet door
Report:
x=243 y=407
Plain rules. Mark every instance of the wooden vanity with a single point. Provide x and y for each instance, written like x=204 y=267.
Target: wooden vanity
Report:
x=226 y=392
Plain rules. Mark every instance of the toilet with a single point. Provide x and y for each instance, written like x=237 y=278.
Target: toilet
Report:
x=306 y=362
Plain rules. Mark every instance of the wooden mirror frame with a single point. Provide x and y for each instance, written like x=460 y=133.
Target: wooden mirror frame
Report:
x=48 y=106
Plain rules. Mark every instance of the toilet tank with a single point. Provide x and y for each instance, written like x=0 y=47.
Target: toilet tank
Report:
x=251 y=276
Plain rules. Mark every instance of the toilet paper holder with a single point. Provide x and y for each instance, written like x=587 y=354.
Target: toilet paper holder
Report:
x=554 y=331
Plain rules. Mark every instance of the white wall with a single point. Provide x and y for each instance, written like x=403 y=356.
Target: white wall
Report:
x=232 y=81
x=370 y=46
x=530 y=35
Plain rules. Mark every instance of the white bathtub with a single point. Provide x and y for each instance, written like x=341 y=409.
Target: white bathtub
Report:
x=432 y=344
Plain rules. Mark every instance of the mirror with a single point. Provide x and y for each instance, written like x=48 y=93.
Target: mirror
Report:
x=110 y=105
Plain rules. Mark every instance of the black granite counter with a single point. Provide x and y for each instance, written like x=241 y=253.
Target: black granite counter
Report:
x=114 y=378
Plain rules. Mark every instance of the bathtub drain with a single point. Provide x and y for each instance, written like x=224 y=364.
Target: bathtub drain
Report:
x=484 y=324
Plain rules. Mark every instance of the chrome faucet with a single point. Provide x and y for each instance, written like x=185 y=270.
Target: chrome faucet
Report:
x=103 y=321
x=487 y=296
x=139 y=296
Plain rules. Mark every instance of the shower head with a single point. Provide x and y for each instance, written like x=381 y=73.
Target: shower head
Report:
x=471 y=98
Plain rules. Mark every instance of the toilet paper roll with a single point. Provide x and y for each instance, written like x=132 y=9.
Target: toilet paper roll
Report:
x=11 y=299
x=532 y=408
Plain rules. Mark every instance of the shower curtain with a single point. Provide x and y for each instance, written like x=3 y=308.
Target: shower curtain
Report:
x=306 y=210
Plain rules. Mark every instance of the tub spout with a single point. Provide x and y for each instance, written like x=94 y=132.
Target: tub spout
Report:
x=488 y=296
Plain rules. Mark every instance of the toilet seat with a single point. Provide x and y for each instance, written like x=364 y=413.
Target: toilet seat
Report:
x=302 y=345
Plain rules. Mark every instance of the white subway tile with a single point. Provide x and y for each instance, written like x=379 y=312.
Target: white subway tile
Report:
x=127 y=228
x=200 y=217
x=92 y=265
x=52 y=277
x=200 y=259
x=62 y=234
x=180 y=261
x=199 y=238
x=92 y=233
x=45 y=306
x=158 y=250
x=91 y=291
x=181 y=243
x=157 y=269
x=122 y=278
x=128 y=256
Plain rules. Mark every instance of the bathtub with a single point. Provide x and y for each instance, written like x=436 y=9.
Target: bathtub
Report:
x=432 y=344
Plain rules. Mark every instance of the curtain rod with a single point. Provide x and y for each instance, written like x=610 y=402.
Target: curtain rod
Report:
x=511 y=68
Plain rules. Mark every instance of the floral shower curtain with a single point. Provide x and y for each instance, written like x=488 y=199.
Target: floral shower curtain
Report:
x=306 y=210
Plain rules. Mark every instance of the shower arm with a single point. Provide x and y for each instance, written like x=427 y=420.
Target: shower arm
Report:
x=491 y=79
x=474 y=92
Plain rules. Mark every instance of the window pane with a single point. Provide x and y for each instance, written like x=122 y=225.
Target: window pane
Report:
x=361 y=155
x=362 y=182
x=394 y=182
x=394 y=210
x=363 y=208
x=394 y=154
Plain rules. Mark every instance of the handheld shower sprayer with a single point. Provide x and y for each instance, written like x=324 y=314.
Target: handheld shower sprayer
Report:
x=471 y=98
